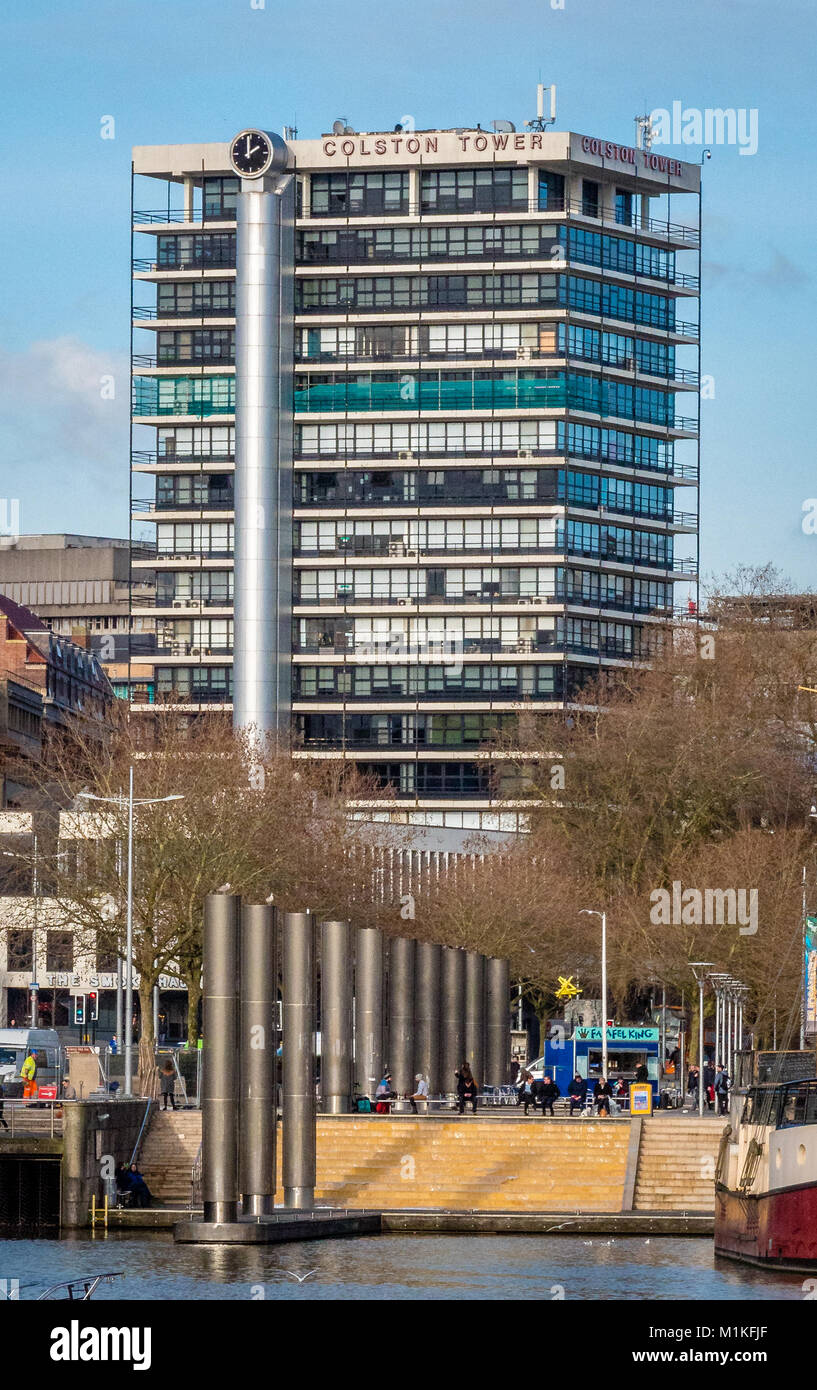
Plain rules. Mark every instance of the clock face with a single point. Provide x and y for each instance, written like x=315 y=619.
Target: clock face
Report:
x=251 y=153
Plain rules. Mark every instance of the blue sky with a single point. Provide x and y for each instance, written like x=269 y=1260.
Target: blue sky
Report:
x=184 y=70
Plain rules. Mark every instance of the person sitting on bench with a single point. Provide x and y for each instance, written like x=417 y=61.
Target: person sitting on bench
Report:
x=577 y=1091
x=548 y=1094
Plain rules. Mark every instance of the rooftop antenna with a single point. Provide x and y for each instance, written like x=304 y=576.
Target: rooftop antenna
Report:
x=644 y=132
x=541 y=121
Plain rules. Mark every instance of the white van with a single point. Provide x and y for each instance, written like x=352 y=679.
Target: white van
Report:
x=15 y=1045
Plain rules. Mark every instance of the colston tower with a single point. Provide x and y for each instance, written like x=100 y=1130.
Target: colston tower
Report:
x=411 y=414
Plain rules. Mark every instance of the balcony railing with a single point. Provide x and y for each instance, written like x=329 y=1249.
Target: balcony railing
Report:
x=159 y=216
x=149 y=313
x=149 y=458
x=146 y=359
x=617 y=361
x=146 y=264
x=150 y=506
x=686 y=235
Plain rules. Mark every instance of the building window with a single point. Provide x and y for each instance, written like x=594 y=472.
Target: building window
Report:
x=551 y=191
x=59 y=951
x=21 y=949
x=624 y=207
x=339 y=195
x=590 y=198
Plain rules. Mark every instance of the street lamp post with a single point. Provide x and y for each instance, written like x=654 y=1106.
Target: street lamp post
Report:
x=701 y=966
x=592 y=912
x=118 y=801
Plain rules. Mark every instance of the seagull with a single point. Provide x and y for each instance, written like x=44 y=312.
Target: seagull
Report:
x=225 y=888
x=300 y=1277
x=646 y=1242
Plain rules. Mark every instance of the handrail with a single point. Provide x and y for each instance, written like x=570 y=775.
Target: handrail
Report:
x=141 y=1132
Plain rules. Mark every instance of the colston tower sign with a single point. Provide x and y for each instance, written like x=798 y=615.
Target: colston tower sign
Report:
x=460 y=146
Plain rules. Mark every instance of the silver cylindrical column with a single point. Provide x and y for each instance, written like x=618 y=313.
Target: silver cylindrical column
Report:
x=257 y=1049
x=497 y=1022
x=219 y=1100
x=452 y=1016
x=299 y=1059
x=336 y=1017
x=475 y=1014
x=401 y=1014
x=427 y=1014
x=368 y=1010
x=263 y=508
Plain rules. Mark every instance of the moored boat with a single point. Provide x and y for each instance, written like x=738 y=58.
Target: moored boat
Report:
x=766 y=1178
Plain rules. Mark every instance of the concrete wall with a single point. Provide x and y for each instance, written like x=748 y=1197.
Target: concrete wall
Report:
x=92 y=1130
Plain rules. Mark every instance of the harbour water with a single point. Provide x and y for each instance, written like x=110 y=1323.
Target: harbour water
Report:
x=404 y=1267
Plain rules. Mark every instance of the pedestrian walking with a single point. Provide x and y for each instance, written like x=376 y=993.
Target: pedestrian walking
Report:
x=467 y=1089
x=28 y=1071
x=721 y=1089
x=167 y=1083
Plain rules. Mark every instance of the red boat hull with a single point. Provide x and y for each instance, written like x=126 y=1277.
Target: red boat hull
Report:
x=775 y=1229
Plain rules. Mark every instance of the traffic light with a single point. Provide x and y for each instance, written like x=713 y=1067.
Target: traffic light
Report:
x=93 y=1006
x=79 y=1009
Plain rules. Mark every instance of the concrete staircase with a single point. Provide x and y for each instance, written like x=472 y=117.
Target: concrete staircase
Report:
x=168 y=1153
x=676 y=1163
x=475 y=1163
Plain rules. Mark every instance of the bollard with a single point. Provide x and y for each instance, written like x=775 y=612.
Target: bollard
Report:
x=257 y=1049
x=336 y=1017
x=299 y=1059
x=219 y=1104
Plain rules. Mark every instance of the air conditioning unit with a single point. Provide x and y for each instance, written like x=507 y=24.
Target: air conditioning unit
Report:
x=397 y=547
x=524 y=453
x=411 y=554
x=405 y=454
x=524 y=354
x=405 y=602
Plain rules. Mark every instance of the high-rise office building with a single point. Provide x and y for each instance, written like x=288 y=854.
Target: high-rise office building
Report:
x=463 y=362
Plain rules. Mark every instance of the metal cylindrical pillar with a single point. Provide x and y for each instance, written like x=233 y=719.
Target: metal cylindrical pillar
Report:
x=368 y=1010
x=427 y=1014
x=452 y=1015
x=336 y=1017
x=219 y=1100
x=401 y=1013
x=475 y=1014
x=299 y=1060
x=497 y=1022
x=257 y=1051
x=263 y=528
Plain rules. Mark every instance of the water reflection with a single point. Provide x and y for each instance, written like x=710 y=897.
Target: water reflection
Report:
x=398 y=1267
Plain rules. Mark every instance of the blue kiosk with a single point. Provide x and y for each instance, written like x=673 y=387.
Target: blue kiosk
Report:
x=627 y=1049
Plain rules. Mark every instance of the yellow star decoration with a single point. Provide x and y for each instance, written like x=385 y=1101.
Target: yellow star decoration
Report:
x=567 y=989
